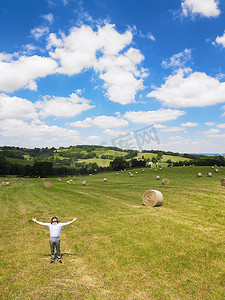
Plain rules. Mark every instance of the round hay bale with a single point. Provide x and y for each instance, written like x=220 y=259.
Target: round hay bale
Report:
x=212 y=167
x=105 y=179
x=160 y=169
x=85 y=183
x=156 y=170
x=136 y=172
x=47 y=184
x=209 y=174
x=90 y=174
x=165 y=181
x=221 y=167
x=216 y=170
x=131 y=175
x=199 y=175
x=157 y=177
x=184 y=166
x=68 y=182
x=117 y=174
x=223 y=182
x=152 y=198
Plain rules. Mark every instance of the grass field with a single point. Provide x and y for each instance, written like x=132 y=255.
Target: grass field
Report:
x=118 y=248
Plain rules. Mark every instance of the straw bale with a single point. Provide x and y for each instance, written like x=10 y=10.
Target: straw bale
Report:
x=209 y=174
x=184 y=166
x=160 y=169
x=85 y=183
x=47 y=184
x=212 y=167
x=143 y=170
x=157 y=177
x=131 y=175
x=216 y=170
x=223 y=182
x=105 y=179
x=117 y=174
x=152 y=198
x=68 y=182
x=165 y=181
x=199 y=175
x=90 y=174
x=136 y=172
x=221 y=167
x=156 y=170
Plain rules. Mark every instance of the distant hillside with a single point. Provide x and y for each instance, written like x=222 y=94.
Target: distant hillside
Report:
x=74 y=156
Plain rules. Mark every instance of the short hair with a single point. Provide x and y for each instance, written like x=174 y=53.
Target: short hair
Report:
x=54 y=218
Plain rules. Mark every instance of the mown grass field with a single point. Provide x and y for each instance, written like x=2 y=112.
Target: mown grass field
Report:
x=118 y=248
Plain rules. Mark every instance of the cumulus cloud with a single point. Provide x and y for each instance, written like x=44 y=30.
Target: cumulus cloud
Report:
x=178 y=60
x=21 y=129
x=16 y=108
x=112 y=132
x=101 y=122
x=206 y=8
x=63 y=106
x=172 y=129
x=211 y=131
x=189 y=124
x=149 y=117
x=196 y=90
x=210 y=123
x=220 y=40
x=38 y=32
x=222 y=125
x=85 y=48
x=21 y=73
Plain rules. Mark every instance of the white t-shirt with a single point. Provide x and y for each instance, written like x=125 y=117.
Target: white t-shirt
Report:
x=55 y=230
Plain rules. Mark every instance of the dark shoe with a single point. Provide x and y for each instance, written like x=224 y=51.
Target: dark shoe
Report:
x=52 y=261
x=60 y=261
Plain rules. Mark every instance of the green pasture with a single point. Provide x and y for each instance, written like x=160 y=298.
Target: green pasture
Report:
x=118 y=248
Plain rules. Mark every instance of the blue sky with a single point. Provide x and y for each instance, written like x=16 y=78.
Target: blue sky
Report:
x=98 y=72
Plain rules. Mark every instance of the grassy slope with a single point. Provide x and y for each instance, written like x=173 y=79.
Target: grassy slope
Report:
x=118 y=248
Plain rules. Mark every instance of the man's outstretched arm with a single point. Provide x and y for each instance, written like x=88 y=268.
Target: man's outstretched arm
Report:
x=40 y=223
x=74 y=219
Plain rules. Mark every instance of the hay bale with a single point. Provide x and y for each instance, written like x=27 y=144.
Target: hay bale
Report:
x=117 y=174
x=131 y=175
x=199 y=175
x=165 y=181
x=212 y=167
x=222 y=182
x=136 y=172
x=156 y=170
x=143 y=170
x=157 y=177
x=152 y=198
x=47 y=184
x=90 y=174
x=160 y=169
x=216 y=170
x=85 y=183
x=105 y=179
x=209 y=174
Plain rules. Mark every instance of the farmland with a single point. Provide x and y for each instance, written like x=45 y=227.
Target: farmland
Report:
x=118 y=248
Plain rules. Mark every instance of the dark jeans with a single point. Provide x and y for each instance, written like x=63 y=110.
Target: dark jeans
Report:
x=55 y=243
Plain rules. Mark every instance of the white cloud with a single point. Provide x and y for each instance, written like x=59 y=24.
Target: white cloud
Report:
x=23 y=132
x=221 y=125
x=21 y=73
x=149 y=117
x=63 y=106
x=172 y=129
x=220 y=40
x=178 y=60
x=210 y=123
x=189 y=124
x=112 y=132
x=101 y=122
x=49 y=18
x=16 y=108
x=196 y=90
x=211 y=131
x=150 y=36
x=207 y=8
x=84 y=48
x=38 y=32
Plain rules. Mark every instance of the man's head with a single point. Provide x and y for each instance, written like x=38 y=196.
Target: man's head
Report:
x=54 y=220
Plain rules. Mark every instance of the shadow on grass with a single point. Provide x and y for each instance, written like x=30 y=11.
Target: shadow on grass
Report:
x=62 y=254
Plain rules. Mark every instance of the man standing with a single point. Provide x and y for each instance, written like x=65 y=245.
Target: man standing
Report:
x=54 y=230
